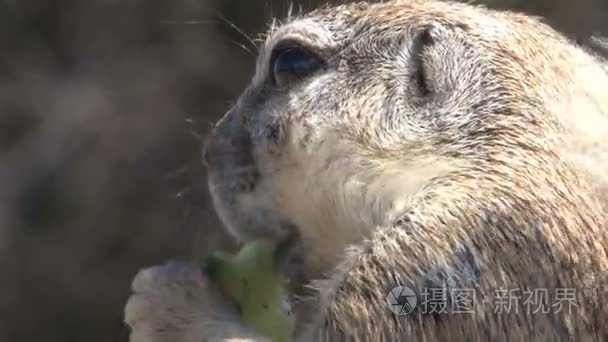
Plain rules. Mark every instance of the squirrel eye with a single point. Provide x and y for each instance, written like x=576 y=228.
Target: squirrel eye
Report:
x=293 y=64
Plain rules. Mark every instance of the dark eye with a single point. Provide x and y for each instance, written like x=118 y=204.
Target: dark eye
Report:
x=293 y=64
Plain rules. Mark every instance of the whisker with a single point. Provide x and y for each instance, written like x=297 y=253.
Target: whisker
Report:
x=215 y=22
x=182 y=193
x=290 y=10
x=242 y=46
x=177 y=173
x=237 y=29
x=187 y=22
x=197 y=136
x=220 y=187
x=242 y=169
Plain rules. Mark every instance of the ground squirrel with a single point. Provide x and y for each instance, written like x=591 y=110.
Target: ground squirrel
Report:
x=421 y=144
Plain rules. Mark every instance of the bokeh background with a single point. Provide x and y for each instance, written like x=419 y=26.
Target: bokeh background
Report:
x=104 y=105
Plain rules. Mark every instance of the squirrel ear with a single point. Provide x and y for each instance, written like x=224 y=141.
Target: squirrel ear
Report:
x=422 y=40
x=426 y=35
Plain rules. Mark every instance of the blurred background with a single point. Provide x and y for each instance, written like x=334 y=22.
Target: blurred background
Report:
x=104 y=105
